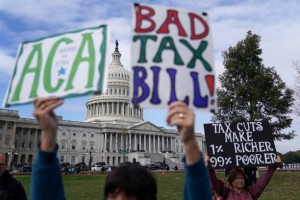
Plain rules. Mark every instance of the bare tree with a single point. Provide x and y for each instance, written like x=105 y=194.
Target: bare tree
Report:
x=296 y=66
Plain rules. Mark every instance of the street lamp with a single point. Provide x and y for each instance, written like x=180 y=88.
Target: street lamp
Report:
x=123 y=151
x=12 y=154
x=90 y=152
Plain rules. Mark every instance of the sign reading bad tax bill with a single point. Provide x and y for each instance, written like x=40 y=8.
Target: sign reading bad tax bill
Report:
x=63 y=65
x=171 y=58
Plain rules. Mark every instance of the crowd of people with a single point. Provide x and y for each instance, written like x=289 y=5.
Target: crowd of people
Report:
x=46 y=170
x=199 y=182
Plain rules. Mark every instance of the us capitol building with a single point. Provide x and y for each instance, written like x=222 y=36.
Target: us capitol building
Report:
x=113 y=132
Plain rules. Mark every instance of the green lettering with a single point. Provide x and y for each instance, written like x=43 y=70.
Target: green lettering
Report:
x=87 y=40
x=142 y=57
x=36 y=51
x=47 y=72
x=168 y=43
x=197 y=54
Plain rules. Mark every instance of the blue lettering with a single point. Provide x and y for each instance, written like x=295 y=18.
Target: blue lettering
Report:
x=199 y=101
x=139 y=82
x=173 y=96
x=155 y=97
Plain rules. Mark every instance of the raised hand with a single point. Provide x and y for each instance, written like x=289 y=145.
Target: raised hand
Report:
x=183 y=117
x=43 y=111
x=180 y=115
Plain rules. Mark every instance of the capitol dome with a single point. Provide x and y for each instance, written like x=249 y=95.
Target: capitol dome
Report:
x=114 y=105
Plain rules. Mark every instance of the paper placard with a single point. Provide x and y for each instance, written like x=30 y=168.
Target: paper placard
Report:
x=240 y=144
x=62 y=65
x=171 y=58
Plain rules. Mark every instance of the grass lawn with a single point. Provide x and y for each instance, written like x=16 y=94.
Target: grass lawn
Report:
x=283 y=185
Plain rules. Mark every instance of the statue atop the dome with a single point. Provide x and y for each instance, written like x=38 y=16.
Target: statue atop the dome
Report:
x=117 y=44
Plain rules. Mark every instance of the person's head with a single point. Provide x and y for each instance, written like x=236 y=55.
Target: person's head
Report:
x=237 y=178
x=130 y=182
x=3 y=163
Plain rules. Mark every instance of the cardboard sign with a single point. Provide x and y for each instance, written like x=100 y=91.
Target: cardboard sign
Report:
x=171 y=58
x=240 y=144
x=63 y=65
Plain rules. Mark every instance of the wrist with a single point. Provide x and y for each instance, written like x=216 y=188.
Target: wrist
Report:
x=193 y=153
x=187 y=136
x=191 y=145
x=189 y=141
x=48 y=141
x=48 y=146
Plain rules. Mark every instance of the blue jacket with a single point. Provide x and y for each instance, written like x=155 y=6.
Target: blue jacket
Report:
x=46 y=181
x=196 y=182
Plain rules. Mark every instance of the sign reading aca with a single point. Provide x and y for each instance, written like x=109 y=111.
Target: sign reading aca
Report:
x=62 y=65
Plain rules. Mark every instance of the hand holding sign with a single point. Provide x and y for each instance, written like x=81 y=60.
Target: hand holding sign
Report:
x=180 y=115
x=43 y=111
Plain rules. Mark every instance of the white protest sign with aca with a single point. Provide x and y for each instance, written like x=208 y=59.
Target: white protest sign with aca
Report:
x=63 y=65
x=240 y=144
x=171 y=58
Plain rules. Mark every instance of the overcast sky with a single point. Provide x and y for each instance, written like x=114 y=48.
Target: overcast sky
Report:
x=277 y=22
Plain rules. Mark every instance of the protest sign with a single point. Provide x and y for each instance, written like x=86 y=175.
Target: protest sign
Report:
x=239 y=144
x=62 y=65
x=171 y=58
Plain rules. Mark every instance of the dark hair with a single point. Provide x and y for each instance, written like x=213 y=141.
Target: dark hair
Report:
x=134 y=180
x=234 y=173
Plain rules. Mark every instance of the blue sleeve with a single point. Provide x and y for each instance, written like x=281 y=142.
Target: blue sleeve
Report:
x=46 y=180
x=196 y=182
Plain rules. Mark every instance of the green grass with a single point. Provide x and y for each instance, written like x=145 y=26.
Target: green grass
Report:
x=283 y=185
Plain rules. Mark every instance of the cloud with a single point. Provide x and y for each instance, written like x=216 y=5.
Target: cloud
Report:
x=35 y=11
x=6 y=64
x=57 y=12
x=276 y=22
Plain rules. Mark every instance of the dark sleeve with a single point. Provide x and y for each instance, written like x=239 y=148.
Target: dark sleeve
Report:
x=262 y=183
x=217 y=184
x=196 y=182
x=19 y=192
x=46 y=180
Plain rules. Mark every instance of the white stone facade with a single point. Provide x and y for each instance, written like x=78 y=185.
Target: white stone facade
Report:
x=113 y=132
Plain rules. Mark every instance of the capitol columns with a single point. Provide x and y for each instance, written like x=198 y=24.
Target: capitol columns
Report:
x=105 y=142
x=116 y=142
x=130 y=147
x=140 y=142
x=145 y=142
x=149 y=150
x=135 y=141
x=110 y=142
x=158 y=143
